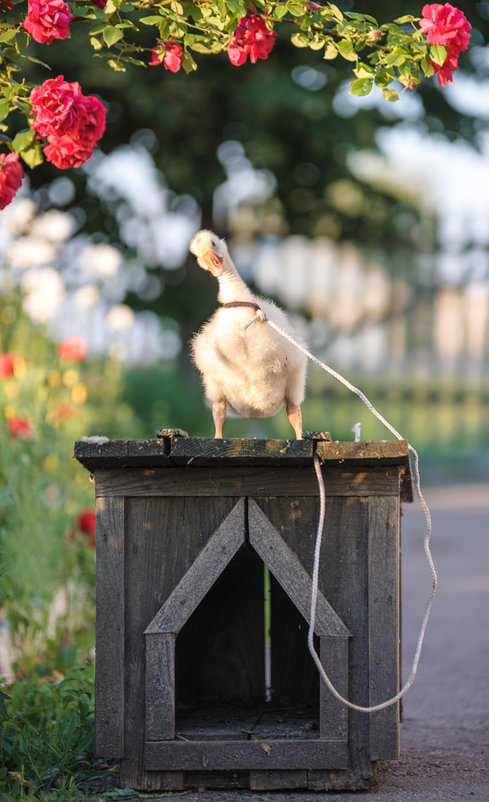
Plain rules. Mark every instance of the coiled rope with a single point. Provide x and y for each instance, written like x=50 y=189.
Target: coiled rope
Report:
x=322 y=511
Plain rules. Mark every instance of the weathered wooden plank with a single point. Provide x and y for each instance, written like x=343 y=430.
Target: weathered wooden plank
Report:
x=388 y=452
x=201 y=575
x=288 y=571
x=109 y=665
x=239 y=755
x=245 y=481
x=163 y=538
x=238 y=451
x=384 y=638
x=345 y=575
x=333 y=713
x=160 y=686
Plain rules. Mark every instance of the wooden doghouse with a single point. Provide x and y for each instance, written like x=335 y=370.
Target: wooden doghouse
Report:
x=199 y=682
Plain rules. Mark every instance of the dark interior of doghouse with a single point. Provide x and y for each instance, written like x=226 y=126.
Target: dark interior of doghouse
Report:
x=223 y=688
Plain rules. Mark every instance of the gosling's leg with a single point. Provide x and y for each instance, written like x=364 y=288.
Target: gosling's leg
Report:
x=295 y=417
x=219 y=409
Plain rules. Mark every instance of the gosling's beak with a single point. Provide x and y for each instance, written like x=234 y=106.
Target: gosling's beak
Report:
x=211 y=261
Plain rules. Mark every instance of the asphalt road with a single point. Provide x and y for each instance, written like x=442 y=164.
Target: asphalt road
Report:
x=445 y=732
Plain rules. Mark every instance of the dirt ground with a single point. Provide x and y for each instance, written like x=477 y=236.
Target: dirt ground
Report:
x=445 y=732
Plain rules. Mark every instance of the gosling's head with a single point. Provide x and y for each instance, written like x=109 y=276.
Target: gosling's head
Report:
x=210 y=251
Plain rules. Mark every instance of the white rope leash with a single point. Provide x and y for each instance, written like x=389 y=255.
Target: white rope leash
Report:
x=322 y=512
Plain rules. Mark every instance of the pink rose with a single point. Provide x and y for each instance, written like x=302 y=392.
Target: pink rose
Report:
x=71 y=121
x=66 y=151
x=446 y=25
x=11 y=175
x=170 y=56
x=47 y=20
x=55 y=106
x=91 y=119
x=251 y=38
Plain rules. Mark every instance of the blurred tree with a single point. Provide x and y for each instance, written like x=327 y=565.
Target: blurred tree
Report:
x=286 y=114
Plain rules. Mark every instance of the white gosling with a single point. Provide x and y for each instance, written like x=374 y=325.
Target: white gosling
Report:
x=254 y=371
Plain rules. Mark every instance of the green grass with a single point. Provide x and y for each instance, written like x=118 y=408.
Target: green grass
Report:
x=46 y=738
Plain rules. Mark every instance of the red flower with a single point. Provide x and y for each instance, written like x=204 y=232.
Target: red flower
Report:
x=8 y=4
x=74 y=348
x=86 y=522
x=7 y=363
x=66 y=151
x=87 y=525
x=446 y=25
x=170 y=57
x=47 y=20
x=100 y=3
x=55 y=106
x=11 y=175
x=251 y=38
x=20 y=427
x=71 y=121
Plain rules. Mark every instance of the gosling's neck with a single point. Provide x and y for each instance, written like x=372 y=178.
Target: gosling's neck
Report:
x=231 y=285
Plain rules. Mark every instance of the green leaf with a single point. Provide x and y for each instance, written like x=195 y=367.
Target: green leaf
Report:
x=330 y=51
x=390 y=94
x=394 y=59
x=296 y=11
x=316 y=43
x=336 y=12
x=361 y=87
x=110 y=8
x=116 y=65
x=23 y=140
x=8 y=35
x=176 y=30
x=438 y=54
x=299 y=40
x=346 y=49
x=152 y=20
x=427 y=67
x=96 y=43
x=364 y=71
x=32 y=156
x=112 y=35
x=188 y=63
x=4 y=110
x=279 y=11
x=405 y=19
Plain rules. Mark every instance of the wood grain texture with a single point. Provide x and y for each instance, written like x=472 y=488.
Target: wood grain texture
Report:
x=245 y=481
x=251 y=755
x=160 y=686
x=163 y=538
x=110 y=629
x=288 y=571
x=201 y=575
x=343 y=580
x=384 y=634
x=333 y=714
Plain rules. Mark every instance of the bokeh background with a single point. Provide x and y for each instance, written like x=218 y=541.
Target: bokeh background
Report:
x=366 y=220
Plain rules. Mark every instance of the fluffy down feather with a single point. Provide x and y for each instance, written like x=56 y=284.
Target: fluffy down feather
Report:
x=254 y=371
